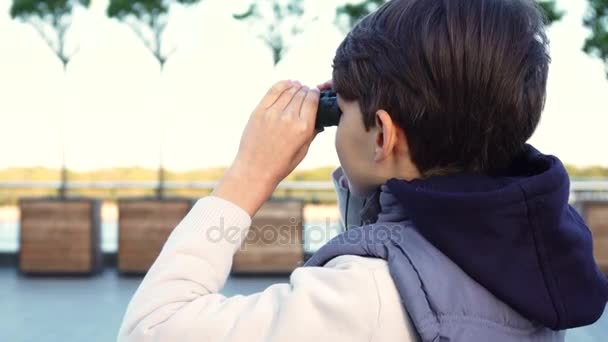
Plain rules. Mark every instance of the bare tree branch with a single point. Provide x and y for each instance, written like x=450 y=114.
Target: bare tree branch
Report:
x=61 y=31
x=76 y=50
x=278 y=23
x=40 y=29
x=158 y=29
x=140 y=35
x=170 y=53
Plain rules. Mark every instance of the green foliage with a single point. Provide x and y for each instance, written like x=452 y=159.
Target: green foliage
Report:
x=51 y=19
x=148 y=20
x=24 y=9
x=275 y=22
x=596 y=19
x=552 y=13
x=120 y=9
x=141 y=9
x=349 y=14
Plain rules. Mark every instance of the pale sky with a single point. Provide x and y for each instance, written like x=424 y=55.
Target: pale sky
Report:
x=114 y=107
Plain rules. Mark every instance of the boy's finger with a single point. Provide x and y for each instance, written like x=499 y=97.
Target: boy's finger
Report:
x=274 y=93
x=326 y=85
x=295 y=106
x=284 y=99
x=310 y=106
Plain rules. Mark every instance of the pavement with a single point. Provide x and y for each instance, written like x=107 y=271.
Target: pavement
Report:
x=49 y=309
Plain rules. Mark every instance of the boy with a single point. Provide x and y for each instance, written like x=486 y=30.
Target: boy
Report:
x=465 y=234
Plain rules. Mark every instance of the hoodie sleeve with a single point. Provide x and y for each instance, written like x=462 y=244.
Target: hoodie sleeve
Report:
x=179 y=299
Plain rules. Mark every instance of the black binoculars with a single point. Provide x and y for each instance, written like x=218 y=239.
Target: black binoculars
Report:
x=328 y=113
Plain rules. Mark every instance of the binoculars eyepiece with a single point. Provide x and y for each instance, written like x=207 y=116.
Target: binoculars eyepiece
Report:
x=328 y=113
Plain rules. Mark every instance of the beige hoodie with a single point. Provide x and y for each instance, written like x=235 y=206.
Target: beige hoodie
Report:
x=351 y=298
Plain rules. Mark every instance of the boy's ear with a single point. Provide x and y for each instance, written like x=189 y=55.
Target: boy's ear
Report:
x=386 y=136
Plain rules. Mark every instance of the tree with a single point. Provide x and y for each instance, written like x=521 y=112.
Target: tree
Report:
x=348 y=14
x=148 y=20
x=275 y=22
x=552 y=13
x=596 y=19
x=52 y=20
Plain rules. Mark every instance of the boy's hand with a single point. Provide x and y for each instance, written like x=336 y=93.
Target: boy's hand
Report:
x=326 y=85
x=275 y=140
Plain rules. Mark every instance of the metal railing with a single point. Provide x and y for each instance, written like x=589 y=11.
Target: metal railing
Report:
x=579 y=189
x=575 y=185
x=151 y=185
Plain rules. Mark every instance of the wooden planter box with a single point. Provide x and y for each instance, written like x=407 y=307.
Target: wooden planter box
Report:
x=596 y=217
x=60 y=236
x=143 y=227
x=274 y=243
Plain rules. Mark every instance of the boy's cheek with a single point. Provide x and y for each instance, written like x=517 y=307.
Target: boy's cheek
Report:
x=349 y=168
x=342 y=152
x=338 y=145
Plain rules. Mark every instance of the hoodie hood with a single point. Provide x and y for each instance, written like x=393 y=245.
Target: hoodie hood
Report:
x=516 y=235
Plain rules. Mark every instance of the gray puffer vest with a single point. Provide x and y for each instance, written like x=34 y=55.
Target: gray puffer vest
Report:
x=443 y=302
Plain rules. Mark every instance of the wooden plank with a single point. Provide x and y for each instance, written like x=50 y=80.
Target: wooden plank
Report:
x=143 y=227
x=59 y=236
x=596 y=217
x=274 y=243
x=267 y=262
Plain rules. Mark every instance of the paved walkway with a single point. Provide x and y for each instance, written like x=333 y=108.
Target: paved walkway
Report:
x=87 y=309
x=90 y=309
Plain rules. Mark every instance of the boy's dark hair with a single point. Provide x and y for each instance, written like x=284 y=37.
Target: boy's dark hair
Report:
x=465 y=79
